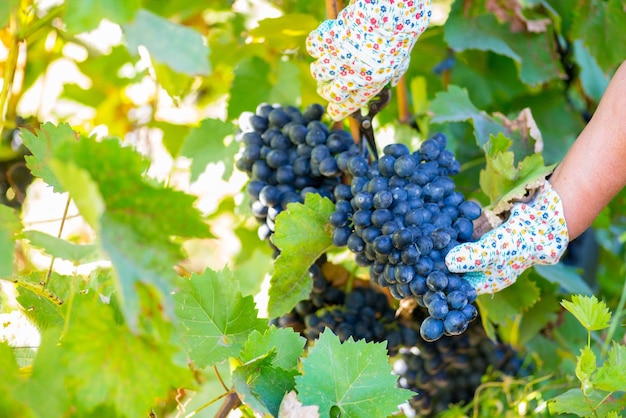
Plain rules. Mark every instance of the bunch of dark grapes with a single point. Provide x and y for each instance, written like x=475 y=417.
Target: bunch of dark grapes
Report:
x=287 y=154
x=364 y=313
x=449 y=370
x=401 y=215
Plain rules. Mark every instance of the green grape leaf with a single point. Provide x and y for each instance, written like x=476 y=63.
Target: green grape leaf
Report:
x=285 y=32
x=41 y=310
x=303 y=235
x=173 y=135
x=86 y=15
x=218 y=319
x=205 y=144
x=592 y=78
x=42 y=144
x=60 y=248
x=287 y=344
x=589 y=311
x=287 y=83
x=543 y=312
x=611 y=376
x=511 y=301
x=9 y=405
x=45 y=390
x=6 y=7
x=567 y=277
x=476 y=32
x=250 y=86
x=454 y=105
x=263 y=385
x=353 y=376
x=502 y=181
x=175 y=84
x=179 y=47
x=10 y=226
x=99 y=354
x=138 y=219
x=585 y=366
x=83 y=190
x=574 y=402
x=532 y=52
x=600 y=25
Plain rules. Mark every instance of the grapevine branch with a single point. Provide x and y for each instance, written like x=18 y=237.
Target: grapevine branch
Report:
x=10 y=65
x=403 y=103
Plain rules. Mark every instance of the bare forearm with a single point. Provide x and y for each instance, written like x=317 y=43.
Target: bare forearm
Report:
x=594 y=169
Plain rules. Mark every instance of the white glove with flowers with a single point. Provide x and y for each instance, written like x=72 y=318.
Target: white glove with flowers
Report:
x=535 y=233
x=364 y=49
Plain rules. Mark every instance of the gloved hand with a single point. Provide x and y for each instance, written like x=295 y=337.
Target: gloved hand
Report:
x=535 y=233
x=366 y=47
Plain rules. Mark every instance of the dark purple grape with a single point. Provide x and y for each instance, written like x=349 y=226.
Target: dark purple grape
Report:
x=382 y=199
x=405 y=165
x=437 y=281
x=431 y=329
x=455 y=323
x=278 y=118
x=438 y=309
x=470 y=210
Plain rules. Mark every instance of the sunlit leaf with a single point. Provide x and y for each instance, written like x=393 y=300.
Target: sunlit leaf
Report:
x=352 y=376
x=590 y=312
x=60 y=248
x=262 y=384
x=250 y=86
x=303 y=235
x=205 y=144
x=611 y=375
x=287 y=344
x=217 y=318
x=85 y=15
x=179 y=47
x=43 y=143
x=10 y=226
x=585 y=366
x=138 y=221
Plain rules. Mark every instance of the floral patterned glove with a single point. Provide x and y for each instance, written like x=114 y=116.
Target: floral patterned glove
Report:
x=535 y=233
x=366 y=47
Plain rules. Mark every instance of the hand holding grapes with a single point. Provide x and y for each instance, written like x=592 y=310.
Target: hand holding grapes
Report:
x=364 y=49
x=535 y=233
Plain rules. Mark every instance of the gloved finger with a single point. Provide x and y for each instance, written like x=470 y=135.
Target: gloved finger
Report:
x=324 y=69
x=485 y=284
x=473 y=256
x=355 y=100
x=344 y=87
x=319 y=39
x=397 y=75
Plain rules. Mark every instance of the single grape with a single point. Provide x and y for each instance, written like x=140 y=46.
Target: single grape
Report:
x=431 y=329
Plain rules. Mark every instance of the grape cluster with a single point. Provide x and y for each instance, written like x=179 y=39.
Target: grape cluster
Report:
x=401 y=215
x=449 y=370
x=364 y=313
x=287 y=154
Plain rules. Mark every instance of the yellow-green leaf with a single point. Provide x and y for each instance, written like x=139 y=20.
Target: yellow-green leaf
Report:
x=590 y=312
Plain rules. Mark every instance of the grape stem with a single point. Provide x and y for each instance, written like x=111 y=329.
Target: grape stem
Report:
x=67 y=207
x=332 y=8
